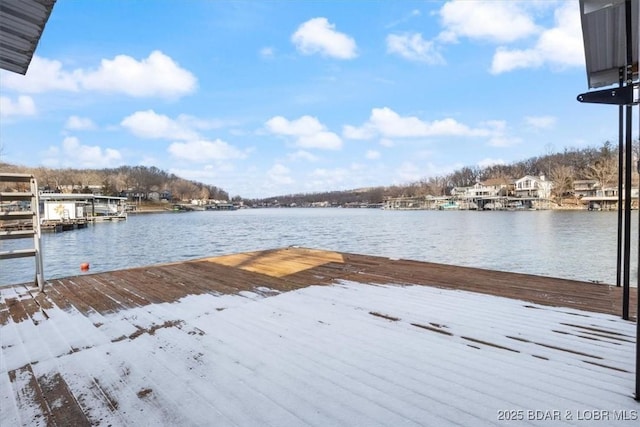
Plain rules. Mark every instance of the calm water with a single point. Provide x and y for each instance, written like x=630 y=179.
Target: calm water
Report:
x=574 y=245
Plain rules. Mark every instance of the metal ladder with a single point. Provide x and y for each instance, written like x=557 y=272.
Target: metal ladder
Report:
x=33 y=214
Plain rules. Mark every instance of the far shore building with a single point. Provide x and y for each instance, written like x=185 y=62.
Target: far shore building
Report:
x=531 y=186
x=489 y=188
x=585 y=187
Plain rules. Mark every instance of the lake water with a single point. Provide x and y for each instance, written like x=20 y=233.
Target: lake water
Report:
x=574 y=245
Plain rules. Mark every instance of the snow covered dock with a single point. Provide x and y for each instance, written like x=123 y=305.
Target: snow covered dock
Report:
x=294 y=337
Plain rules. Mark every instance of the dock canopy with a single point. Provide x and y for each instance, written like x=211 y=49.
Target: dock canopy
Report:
x=21 y=25
x=604 y=34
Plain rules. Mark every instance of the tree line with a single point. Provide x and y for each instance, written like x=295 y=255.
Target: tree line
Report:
x=561 y=168
x=121 y=181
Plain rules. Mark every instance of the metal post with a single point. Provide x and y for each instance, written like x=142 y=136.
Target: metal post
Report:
x=627 y=217
x=35 y=208
x=627 y=193
x=628 y=166
x=637 y=397
x=620 y=168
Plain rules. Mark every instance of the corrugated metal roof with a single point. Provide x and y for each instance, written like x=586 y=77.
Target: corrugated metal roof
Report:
x=604 y=35
x=21 y=25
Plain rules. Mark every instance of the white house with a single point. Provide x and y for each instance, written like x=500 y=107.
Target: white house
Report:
x=479 y=189
x=531 y=186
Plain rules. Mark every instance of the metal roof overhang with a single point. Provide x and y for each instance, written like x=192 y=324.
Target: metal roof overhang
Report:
x=611 y=45
x=21 y=25
x=604 y=36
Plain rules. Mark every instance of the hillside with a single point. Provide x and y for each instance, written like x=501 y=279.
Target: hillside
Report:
x=140 y=180
x=562 y=168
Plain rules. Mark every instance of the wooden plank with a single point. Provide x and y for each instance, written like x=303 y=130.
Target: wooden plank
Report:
x=83 y=289
x=63 y=406
x=17 y=311
x=29 y=395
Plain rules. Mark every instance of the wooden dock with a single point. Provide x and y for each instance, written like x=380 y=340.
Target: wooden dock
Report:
x=294 y=268
x=35 y=375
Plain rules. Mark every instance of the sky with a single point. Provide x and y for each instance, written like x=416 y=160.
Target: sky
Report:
x=266 y=98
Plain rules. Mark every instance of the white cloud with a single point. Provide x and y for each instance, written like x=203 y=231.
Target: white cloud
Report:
x=386 y=142
x=414 y=48
x=508 y=60
x=302 y=155
x=200 y=124
x=155 y=76
x=22 y=106
x=44 y=75
x=353 y=132
x=409 y=172
x=329 y=178
x=496 y=21
x=540 y=122
x=267 y=52
x=79 y=123
x=323 y=140
x=73 y=154
x=560 y=46
x=307 y=131
x=188 y=144
x=151 y=125
x=372 y=154
x=280 y=174
x=305 y=125
x=504 y=141
x=499 y=134
x=389 y=124
x=317 y=35
x=202 y=151
x=406 y=18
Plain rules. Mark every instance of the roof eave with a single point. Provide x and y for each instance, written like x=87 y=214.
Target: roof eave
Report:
x=21 y=25
x=605 y=42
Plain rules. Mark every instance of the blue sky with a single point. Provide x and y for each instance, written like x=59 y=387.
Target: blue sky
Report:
x=265 y=98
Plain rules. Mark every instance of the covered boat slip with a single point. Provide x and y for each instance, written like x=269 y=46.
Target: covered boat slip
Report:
x=299 y=336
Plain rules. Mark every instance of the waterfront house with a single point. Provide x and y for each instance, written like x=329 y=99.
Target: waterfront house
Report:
x=606 y=199
x=585 y=187
x=531 y=186
x=489 y=188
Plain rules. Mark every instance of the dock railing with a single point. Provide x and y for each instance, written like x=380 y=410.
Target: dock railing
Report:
x=13 y=208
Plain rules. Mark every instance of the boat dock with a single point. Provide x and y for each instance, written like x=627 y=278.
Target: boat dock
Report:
x=299 y=336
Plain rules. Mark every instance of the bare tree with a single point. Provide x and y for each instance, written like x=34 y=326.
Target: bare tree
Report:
x=562 y=178
x=604 y=170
